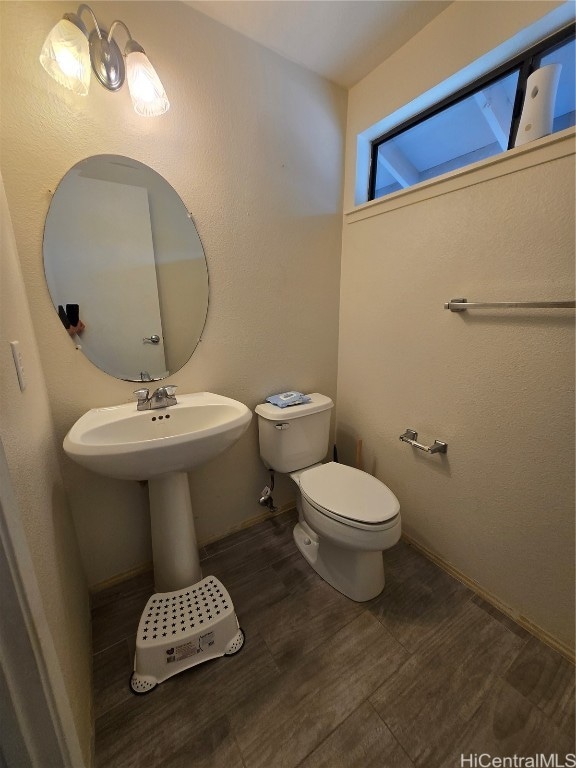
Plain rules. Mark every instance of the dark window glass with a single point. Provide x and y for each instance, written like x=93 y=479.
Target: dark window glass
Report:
x=472 y=129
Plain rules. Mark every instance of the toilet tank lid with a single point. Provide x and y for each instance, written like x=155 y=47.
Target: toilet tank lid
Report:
x=317 y=403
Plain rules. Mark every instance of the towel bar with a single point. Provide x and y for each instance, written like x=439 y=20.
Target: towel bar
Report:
x=461 y=305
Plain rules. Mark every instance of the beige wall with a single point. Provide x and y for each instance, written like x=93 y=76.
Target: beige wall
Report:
x=254 y=146
x=28 y=436
x=497 y=387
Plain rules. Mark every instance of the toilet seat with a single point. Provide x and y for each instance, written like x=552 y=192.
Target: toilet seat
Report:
x=350 y=496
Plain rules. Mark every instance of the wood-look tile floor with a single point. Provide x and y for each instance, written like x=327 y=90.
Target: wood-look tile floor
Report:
x=421 y=675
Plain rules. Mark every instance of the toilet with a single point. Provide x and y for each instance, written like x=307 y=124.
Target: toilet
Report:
x=346 y=517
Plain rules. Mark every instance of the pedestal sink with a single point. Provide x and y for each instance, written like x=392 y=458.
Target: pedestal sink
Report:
x=161 y=446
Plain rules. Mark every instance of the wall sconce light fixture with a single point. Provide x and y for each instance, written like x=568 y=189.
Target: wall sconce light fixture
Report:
x=69 y=50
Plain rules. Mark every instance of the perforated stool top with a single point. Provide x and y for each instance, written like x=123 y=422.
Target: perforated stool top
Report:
x=172 y=615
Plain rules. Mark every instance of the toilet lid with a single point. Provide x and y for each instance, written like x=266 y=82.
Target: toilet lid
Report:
x=349 y=493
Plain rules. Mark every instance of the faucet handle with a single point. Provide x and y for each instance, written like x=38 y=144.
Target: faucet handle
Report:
x=142 y=394
x=170 y=389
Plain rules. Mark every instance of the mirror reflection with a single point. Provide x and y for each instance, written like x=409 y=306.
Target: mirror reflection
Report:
x=125 y=268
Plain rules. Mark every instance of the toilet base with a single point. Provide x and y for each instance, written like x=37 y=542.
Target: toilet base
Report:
x=357 y=574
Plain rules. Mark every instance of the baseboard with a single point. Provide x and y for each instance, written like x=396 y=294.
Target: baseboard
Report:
x=147 y=567
x=250 y=522
x=121 y=577
x=529 y=626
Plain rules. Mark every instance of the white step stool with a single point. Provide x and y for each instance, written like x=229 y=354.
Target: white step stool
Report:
x=180 y=629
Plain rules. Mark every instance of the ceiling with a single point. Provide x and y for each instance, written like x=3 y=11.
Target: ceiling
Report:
x=342 y=40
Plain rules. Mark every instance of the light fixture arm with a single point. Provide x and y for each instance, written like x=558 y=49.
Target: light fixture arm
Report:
x=105 y=56
x=81 y=8
x=131 y=45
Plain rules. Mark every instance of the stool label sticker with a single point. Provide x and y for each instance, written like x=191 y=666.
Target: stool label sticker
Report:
x=184 y=651
x=206 y=641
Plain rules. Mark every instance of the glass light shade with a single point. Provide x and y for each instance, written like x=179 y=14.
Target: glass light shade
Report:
x=147 y=92
x=65 y=56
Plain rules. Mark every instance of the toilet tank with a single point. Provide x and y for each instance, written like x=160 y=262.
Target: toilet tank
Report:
x=295 y=437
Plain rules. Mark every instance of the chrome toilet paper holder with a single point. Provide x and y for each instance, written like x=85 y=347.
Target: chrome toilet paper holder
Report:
x=411 y=437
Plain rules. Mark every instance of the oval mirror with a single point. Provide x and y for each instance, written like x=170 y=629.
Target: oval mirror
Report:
x=125 y=268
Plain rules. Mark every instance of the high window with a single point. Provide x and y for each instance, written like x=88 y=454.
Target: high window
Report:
x=475 y=123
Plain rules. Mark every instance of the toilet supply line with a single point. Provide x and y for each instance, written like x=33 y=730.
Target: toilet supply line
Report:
x=266 y=499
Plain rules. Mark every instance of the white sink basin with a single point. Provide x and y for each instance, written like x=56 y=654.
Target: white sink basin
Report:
x=139 y=445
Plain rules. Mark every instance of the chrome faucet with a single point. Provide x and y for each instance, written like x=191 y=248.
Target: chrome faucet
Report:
x=163 y=397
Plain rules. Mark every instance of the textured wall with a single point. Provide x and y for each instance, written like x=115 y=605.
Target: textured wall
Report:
x=28 y=436
x=254 y=146
x=497 y=387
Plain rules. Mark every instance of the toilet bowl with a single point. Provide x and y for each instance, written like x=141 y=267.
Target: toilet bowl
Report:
x=346 y=517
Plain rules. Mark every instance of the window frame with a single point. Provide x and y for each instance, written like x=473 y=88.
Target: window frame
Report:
x=526 y=63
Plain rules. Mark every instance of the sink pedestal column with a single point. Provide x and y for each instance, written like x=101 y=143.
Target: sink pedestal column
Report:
x=174 y=547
